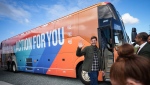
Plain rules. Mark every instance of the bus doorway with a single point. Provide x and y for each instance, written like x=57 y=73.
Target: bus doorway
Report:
x=109 y=36
x=106 y=51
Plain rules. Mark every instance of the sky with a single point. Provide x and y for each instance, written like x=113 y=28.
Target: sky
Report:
x=18 y=16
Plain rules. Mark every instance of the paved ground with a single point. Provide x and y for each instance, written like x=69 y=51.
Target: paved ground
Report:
x=23 y=78
x=4 y=83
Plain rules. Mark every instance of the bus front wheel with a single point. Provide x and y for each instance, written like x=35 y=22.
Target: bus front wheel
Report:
x=83 y=76
x=14 y=68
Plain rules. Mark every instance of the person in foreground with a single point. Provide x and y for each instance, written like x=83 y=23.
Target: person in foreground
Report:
x=129 y=68
x=144 y=49
x=148 y=40
x=91 y=63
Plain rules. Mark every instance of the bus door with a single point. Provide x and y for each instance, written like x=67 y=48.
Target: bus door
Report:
x=105 y=45
x=109 y=36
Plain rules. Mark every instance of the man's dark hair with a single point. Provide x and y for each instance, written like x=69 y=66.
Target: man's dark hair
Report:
x=143 y=35
x=94 y=37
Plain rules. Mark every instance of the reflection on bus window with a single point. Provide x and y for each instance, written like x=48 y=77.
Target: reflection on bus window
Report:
x=116 y=40
x=126 y=39
x=118 y=37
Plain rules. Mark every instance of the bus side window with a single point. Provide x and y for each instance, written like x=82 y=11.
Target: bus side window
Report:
x=116 y=40
x=118 y=37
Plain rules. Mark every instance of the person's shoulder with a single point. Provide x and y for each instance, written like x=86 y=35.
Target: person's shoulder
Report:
x=147 y=44
x=87 y=47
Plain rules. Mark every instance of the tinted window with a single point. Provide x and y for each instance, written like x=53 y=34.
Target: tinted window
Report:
x=118 y=37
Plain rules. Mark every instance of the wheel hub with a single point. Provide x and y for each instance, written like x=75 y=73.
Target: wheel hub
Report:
x=85 y=76
x=14 y=68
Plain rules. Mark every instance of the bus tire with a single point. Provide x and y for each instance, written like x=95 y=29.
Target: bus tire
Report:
x=83 y=76
x=14 y=68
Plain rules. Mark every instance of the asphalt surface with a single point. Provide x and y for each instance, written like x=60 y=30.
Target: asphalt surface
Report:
x=23 y=78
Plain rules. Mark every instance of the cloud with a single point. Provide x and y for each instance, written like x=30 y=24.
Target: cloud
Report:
x=21 y=12
x=62 y=8
x=128 y=19
x=14 y=12
x=56 y=11
x=27 y=21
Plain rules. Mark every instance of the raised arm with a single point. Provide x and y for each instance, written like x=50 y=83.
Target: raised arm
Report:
x=79 y=51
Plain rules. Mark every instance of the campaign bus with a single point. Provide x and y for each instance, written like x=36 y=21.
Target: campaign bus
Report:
x=51 y=48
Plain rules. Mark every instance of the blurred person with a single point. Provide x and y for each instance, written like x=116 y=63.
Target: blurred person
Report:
x=9 y=61
x=148 y=40
x=129 y=68
x=144 y=47
x=134 y=44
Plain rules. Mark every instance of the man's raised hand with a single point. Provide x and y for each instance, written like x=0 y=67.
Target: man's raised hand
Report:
x=80 y=44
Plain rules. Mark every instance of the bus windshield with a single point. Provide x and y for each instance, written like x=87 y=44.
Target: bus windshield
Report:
x=123 y=28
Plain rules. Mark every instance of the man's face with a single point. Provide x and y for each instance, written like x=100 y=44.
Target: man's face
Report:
x=93 y=42
x=148 y=39
x=138 y=39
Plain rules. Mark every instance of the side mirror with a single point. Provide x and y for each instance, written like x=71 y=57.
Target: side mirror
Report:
x=133 y=34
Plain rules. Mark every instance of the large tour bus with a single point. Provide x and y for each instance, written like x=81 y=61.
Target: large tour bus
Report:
x=51 y=48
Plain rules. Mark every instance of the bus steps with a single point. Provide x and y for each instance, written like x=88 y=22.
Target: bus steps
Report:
x=108 y=65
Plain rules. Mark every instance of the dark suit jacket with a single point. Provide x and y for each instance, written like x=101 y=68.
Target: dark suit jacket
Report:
x=145 y=51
